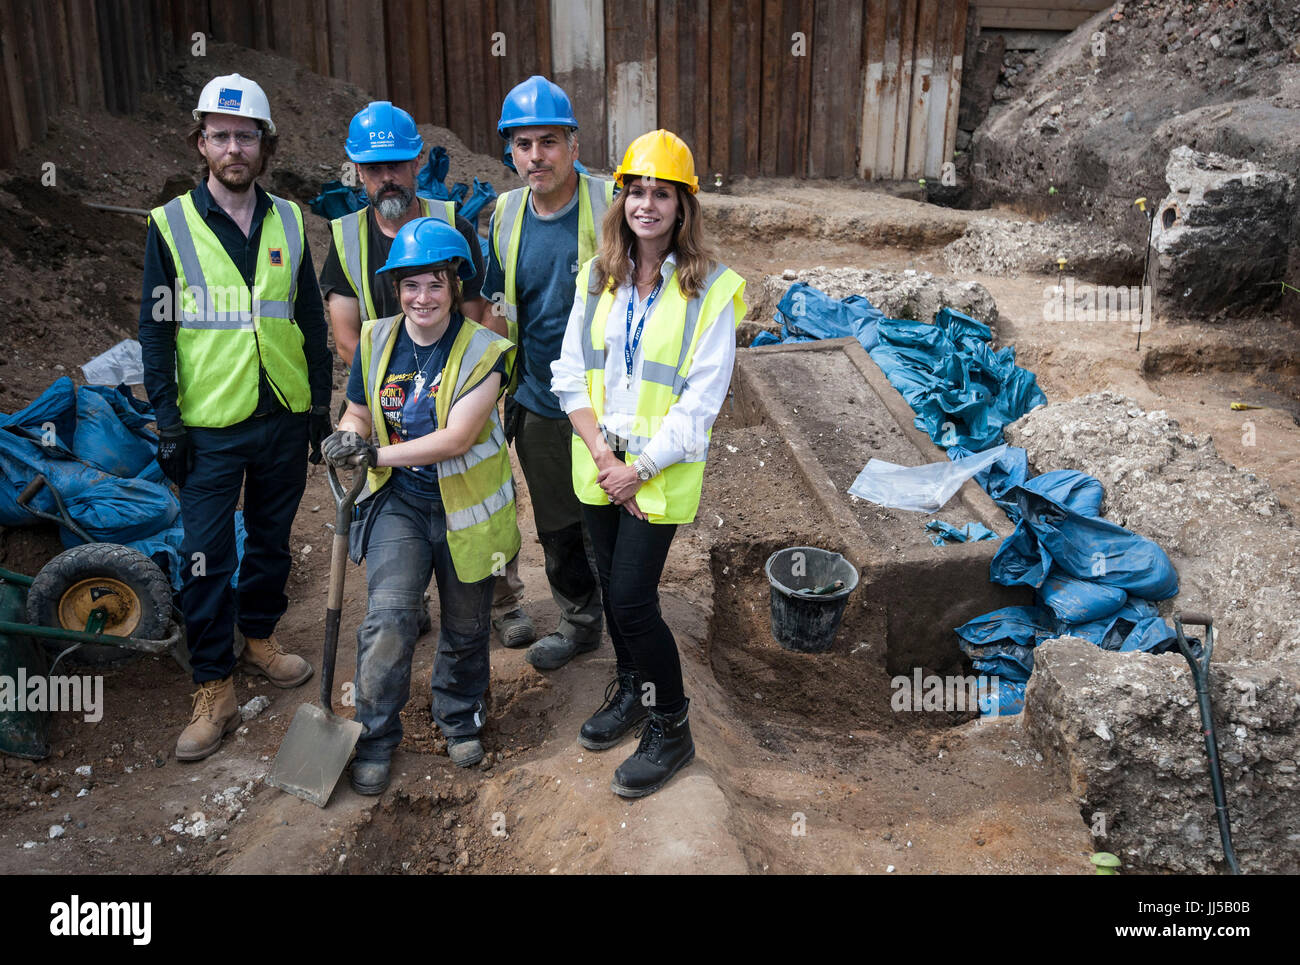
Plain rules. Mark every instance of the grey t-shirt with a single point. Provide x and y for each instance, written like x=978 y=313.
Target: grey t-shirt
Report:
x=544 y=282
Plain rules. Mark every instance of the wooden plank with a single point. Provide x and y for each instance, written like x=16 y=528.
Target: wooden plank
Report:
x=956 y=67
x=846 y=91
x=720 y=86
x=668 y=90
x=774 y=54
x=541 y=26
x=941 y=86
x=61 y=67
x=131 y=52
x=467 y=38
x=337 y=32
x=903 y=101
x=497 y=17
x=322 y=53
x=630 y=72
x=695 y=31
x=578 y=64
x=28 y=59
x=416 y=44
x=44 y=50
x=459 y=91
x=1015 y=18
x=437 y=76
x=263 y=14
x=10 y=145
x=873 y=54
x=1092 y=6
x=397 y=36
x=922 y=77
x=373 y=56
x=14 y=106
x=823 y=64
x=752 y=49
x=803 y=88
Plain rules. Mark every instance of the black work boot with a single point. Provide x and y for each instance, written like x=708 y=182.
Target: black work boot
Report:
x=621 y=711
x=666 y=747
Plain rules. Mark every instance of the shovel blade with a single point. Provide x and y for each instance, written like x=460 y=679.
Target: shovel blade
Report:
x=314 y=752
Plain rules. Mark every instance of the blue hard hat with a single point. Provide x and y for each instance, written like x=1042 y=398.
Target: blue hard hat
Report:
x=425 y=242
x=382 y=132
x=536 y=103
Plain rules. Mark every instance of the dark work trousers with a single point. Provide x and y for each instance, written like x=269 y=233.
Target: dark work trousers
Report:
x=630 y=556
x=543 y=446
x=266 y=458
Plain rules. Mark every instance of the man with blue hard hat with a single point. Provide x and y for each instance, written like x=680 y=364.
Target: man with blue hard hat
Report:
x=237 y=367
x=540 y=236
x=386 y=147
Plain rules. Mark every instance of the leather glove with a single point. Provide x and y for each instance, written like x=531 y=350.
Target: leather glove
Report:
x=347 y=448
x=175 y=453
x=320 y=428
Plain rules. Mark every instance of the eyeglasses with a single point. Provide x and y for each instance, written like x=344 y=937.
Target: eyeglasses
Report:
x=222 y=138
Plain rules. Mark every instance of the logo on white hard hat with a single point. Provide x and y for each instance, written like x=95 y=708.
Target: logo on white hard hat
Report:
x=229 y=99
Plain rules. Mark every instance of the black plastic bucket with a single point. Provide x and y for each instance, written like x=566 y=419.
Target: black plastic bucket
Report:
x=801 y=620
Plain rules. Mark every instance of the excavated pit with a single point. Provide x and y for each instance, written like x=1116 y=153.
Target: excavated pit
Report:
x=833 y=409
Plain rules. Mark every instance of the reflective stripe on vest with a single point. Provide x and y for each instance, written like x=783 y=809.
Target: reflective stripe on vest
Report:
x=677 y=326
x=225 y=332
x=352 y=240
x=594 y=197
x=477 y=488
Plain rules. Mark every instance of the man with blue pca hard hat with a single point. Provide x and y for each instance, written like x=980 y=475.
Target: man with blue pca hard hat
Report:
x=237 y=366
x=425 y=383
x=540 y=236
x=386 y=147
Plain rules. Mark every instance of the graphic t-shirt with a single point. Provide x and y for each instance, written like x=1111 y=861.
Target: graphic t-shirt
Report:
x=408 y=398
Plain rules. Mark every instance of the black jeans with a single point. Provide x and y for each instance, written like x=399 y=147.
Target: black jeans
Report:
x=630 y=556
x=265 y=458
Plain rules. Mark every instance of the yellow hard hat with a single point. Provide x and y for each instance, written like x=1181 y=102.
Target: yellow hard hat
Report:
x=659 y=154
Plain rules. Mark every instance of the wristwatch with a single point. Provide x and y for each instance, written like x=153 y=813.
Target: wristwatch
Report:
x=643 y=472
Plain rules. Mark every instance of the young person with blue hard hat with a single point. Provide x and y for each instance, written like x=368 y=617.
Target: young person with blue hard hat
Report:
x=646 y=364
x=386 y=147
x=540 y=234
x=425 y=383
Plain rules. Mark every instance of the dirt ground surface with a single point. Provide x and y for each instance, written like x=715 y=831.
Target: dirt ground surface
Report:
x=801 y=765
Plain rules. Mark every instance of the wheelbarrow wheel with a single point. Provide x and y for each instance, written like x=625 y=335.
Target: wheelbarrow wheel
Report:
x=123 y=583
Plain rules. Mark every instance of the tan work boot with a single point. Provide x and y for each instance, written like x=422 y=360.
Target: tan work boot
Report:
x=216 y=714
x=267 y=658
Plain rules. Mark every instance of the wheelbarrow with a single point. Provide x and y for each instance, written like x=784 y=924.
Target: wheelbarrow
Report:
x=99 y=601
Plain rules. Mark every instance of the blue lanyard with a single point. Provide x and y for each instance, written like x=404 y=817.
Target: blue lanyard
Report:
x=629 y=346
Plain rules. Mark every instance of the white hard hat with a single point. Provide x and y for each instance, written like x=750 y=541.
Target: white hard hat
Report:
x=235 y=95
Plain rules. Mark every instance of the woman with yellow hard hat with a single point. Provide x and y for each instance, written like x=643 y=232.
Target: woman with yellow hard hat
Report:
x=645 y=368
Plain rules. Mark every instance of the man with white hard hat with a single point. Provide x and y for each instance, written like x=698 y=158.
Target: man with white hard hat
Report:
x=237 y=366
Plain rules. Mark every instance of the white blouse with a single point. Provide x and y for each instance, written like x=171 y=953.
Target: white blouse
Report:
x=685 y=428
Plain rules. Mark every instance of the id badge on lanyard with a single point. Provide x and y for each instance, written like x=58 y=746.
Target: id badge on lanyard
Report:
x=619 y=397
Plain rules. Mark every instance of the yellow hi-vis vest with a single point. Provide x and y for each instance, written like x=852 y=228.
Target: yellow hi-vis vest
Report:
x=594 y=197
x=352 y=242
x=478 y=493
x=224 y=332
x=668 y=345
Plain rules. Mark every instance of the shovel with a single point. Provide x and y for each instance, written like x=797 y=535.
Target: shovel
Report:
x=320 y=743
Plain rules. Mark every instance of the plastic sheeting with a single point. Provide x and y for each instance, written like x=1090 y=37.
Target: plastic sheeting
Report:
x=923 y=489
x=947 y=533
x=92 y=445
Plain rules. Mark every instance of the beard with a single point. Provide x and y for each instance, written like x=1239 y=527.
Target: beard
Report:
x=393 y=201
x=234 y=181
